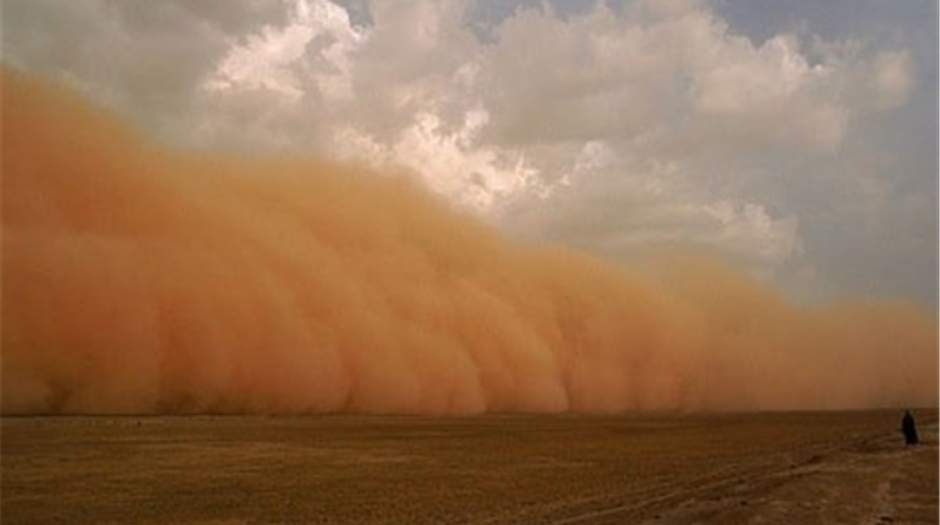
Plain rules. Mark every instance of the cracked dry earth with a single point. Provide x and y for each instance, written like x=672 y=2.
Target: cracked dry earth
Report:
x=771 y=468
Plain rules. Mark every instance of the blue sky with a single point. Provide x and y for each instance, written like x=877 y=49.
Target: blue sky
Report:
x=910 y=132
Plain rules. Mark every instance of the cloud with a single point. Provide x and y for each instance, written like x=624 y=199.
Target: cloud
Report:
x=318 y=34
x=622 y=209
x=608 y=127
x=892 y=78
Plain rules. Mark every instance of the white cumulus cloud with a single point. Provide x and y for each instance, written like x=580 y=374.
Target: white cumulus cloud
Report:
x=612 y=128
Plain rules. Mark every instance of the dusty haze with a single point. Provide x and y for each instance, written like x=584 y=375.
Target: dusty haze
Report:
x=137 y=279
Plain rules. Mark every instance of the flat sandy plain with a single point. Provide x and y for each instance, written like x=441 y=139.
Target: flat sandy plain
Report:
x=832 y=467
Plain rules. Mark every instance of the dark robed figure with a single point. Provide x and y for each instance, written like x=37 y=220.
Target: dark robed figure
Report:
x=909 y=428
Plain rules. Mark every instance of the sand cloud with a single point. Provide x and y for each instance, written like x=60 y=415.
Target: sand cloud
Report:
x=140 y=279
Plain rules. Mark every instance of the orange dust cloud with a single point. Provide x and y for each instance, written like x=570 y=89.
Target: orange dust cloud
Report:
x=142 y=280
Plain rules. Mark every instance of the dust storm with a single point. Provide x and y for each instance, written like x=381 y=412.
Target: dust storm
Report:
x=141 y=279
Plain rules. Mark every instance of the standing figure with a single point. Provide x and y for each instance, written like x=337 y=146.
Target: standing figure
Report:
x=909 y=428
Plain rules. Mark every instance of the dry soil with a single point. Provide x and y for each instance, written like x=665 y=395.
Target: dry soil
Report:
x=814 y=467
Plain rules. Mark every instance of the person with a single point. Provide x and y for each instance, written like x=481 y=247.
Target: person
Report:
x=909 y=428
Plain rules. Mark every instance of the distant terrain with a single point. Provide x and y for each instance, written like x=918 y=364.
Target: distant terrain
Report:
x=808 y=467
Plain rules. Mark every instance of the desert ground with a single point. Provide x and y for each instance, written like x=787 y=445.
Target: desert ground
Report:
x=809 y=467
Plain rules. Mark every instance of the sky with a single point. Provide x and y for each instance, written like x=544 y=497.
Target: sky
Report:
x=796 y=139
